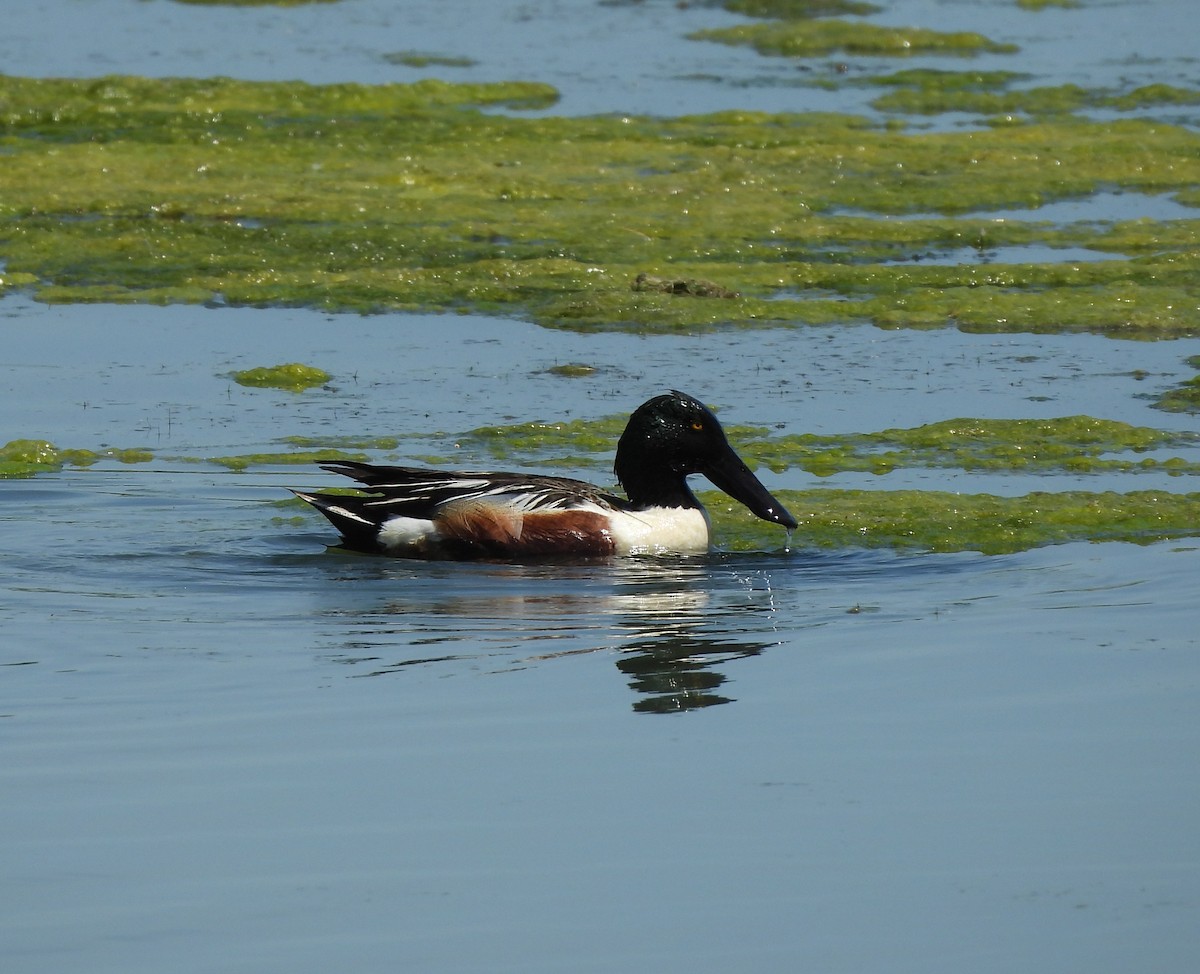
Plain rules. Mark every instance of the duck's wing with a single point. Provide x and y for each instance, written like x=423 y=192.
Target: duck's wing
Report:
x=432 y=513
x=421 y=492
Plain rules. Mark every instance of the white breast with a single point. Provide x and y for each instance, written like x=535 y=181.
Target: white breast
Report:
x=661 y=531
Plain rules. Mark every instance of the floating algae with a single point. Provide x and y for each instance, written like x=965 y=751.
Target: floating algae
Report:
x=294 y=377
x=29 y=457
x=799 y=9
x=815 y=38
x=936 y=521
x=298 y=458
x=1069 y=444
x=373 y=198
x=1185 y=397
x=929 y=92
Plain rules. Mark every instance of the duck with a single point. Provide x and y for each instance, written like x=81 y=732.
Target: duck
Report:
x=414 y=512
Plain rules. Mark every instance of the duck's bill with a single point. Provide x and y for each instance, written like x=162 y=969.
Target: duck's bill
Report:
x=732 y=475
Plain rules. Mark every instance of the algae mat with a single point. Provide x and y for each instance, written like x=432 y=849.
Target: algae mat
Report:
x=428 y=197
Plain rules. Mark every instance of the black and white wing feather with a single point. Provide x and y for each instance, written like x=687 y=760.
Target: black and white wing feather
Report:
x=419 y=493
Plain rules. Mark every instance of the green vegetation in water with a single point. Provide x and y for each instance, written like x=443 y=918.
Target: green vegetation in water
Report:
x=944 y=522
x=530 y=443
x=28 y=457
x=799 y=9
x=1184 y=398
x=816 y=38
x=302 y=457
x=10 y=281
x=1071 y=444
x=254 y=3
x=342 y=442
x=1043 y=4
x=406 y=197
x=928 y=92
x=935 y=521
x=294 y=377
x=572 y=370
x=422 y=59
x=927 y=520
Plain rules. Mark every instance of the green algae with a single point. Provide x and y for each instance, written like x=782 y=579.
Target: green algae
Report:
x=11 y=281
x=814 y=38
x=526 y=440
x=423 y=59
x=930 y=92
x=407 y=197
x=254 y=3
x=938 y=521
x=1070 y=444
x=293 y=376
x=25 y=458
x=1185 y=397
x=907 y=519
x=945 y=80
x=342 y=442
x=572 y=370
x=1043 y=4
x=29 y=457
x=217 y=111
x=799 y=9
x=245 y=460
x=942 y=522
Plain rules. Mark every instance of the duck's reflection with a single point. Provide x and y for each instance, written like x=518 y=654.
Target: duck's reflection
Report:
x=672 y=626
x=674 y=641
x=674 y=674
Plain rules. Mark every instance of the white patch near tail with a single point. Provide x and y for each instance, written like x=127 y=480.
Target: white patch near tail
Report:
x=404 y=533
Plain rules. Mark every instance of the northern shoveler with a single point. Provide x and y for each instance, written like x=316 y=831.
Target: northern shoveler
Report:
x=420 y=513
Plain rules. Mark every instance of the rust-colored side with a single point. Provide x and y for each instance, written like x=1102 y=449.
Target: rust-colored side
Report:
x=494 y=530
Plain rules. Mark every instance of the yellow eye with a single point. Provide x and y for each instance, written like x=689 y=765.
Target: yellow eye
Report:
x=697 y=425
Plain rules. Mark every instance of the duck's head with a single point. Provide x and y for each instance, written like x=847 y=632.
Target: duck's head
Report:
x=674 y=435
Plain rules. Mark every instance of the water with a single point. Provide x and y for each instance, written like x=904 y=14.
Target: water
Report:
x=603 y=57
x=227 y=750
x=225 y=747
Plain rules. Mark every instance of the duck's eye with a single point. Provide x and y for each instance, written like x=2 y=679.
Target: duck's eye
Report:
x=697 y=425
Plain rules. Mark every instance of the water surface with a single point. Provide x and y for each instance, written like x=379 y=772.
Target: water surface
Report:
x=222 y=740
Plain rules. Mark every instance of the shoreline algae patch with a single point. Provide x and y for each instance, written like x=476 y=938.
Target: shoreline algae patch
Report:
x=357 y=198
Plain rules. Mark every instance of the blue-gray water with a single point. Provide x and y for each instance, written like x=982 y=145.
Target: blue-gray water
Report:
x=226 y=748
